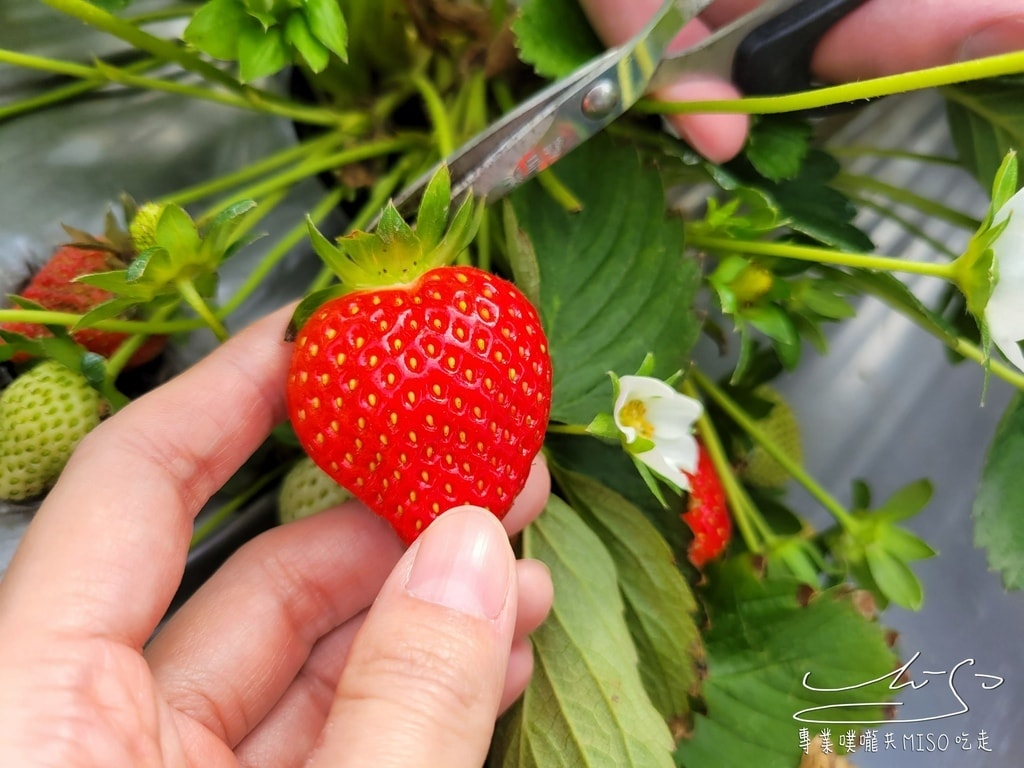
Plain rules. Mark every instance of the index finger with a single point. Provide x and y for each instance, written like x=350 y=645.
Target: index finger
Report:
x=107 y=549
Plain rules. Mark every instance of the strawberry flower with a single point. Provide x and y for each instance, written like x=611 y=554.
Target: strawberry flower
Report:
x=990 y=272
x=1004 y=312
x=655 y=424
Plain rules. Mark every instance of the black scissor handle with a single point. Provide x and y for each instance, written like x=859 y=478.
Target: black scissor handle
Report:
x=776 y=57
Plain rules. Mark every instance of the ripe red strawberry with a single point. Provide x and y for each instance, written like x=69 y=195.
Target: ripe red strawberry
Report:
x=53 y=287
x=706 y=514
x=423 y=396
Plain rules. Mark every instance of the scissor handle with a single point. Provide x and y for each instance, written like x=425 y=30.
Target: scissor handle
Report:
x=776 y=56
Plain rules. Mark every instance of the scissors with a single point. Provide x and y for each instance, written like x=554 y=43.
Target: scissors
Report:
x=766 y=51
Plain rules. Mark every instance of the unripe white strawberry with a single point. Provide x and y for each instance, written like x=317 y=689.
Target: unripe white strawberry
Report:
x=44 y=414
x=306 y=490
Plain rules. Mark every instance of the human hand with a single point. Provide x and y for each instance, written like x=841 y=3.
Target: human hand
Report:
x=882 y=37
x=318 y=643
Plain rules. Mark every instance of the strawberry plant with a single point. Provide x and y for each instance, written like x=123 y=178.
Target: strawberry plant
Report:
x=637 y=312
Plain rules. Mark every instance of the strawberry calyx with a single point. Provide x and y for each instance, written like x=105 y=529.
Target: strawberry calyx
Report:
x=395 y=253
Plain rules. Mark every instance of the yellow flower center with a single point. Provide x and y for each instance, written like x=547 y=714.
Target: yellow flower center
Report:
x=634 y=414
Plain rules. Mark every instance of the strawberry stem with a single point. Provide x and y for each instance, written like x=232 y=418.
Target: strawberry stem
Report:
x=785 y=250
x=796 y=470
x=873 y=88
x=744 y=511
x=286 y=157
x=444 y=136
x=217 y=518
x=187 y=290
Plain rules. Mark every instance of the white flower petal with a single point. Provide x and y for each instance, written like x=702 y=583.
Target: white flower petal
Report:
x=666 y=418
x=1004 y=313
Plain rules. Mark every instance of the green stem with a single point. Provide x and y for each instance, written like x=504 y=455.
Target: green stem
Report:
x=70 y=320
x=284 y=157
x=124 y=353
x=192 y=297
x=217 y=518
x=126 y=30
x=950 y=74
x=317 y=164
x=438 y=113
x=820 y=255
x=846 y=181
x=561 y=194
x=744 y=511
x=748 y=425
x=569 y=429
x=973 y=352
x=60 y=94
x=281 y=249
x=162 y=14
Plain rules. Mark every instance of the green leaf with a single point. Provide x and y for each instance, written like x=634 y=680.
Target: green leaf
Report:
x=907 y=501
x=327 y=24
x=554 y=36
x=659 y=604
x=986 y=120
x=763 y=638
x=778 y=145
x=216 y=26
x=613 y=274
x=585 y=706
x=522 y=257
x=432 y=216
x=894 y=578
x=999 y=504
x=298 y=36
x=261 y=53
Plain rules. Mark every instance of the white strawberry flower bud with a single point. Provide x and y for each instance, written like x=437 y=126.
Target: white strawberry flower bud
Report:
x=1004 y=312
x=656 y=425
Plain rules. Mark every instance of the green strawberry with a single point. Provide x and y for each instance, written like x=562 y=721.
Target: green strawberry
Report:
x=307 y=490
x=44 y=414
x=782 y=428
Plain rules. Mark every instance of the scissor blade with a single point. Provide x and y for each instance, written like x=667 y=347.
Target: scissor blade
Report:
x=562 y=116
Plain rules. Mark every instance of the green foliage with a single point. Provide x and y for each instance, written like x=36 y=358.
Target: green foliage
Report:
x=659 y=604
x=998 y=522
x=586 y=705
x=764 y=636
x=265 y=36
x=986 y=120
x=613 y=272
x=554 y=36
x=877 y=552
x=778 y=146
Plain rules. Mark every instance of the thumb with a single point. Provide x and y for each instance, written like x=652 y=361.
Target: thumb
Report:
x=424 y=677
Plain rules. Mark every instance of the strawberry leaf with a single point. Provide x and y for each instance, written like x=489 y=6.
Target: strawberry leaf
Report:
x=327 y=25
x=215 y=28
x=659 y=603
x=762 y=640
x=986 y=120
x=554 y=36
x=261 y=53
x=297 y=34
x=613 y=274
x=585 y=706
x=998 y=524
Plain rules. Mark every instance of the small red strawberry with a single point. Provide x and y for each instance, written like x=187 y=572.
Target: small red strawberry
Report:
x=54 y=287
x=706 y=514
x=424 y=386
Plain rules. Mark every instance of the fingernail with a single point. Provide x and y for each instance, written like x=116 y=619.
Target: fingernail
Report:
x=462 y=563
x=1003 y=36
